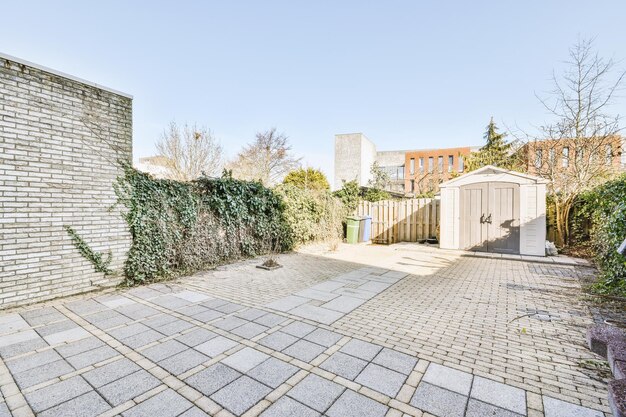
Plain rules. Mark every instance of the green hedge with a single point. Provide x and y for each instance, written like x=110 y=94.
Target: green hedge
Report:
x=606 y=206
x=179 y=228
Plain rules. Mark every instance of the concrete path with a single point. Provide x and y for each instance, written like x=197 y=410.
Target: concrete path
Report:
x=328 y=334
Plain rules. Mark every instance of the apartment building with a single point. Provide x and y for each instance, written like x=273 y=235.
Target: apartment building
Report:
x=411 y=171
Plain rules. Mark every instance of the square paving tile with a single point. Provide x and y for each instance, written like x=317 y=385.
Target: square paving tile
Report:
x=216 y=346
x=286 y=407
x=374 y=286
x=125 y=332
x=557 y=408
x=110 y=372
x=304 y=350
x=58 y=393
x=498 y=394
x=352 y=404
x=298 y=329
x=344 y=304
x=229 y=323
x=137 y=311
x=278 y=341
x=344 y=365
x=160 y=320
x=128 y=387
x=57 y=327
x=323 y=337
x=250 y=314
x=66 y=336
x=174 y=327
x=192 y=296
x=32 y=361
x=245 y=359
x=397 y=361
x=328 y=286
x=196 y=337
x=477 y=408
x=439 y=401
x=79 y=346
x=448 y=378
x=115 y=301
x=270 y=320
x=316 y=392
x=381 y=379
x=183 y=361
x=273 y=372
x=92 y=357
x=360 y=349
x=87 y=405
x=213 y=378
x=287 y=303
x=208 y=316
x=14 y=338
x=192 y=310
x=238 y=396
x=249 y=330
x=316 y=294
x=167 y=403
x=163 y=350
x=229 y=307
x=24 y=346
x=10 y=323
x=319 y=314
x=355 y=293
x=143 y=339
x=42 y=373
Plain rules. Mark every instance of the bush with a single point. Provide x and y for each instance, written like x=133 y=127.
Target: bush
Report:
x=349 y=195
x=307 y=179
x=311 y=215
x=179 y=227
x=607 y=206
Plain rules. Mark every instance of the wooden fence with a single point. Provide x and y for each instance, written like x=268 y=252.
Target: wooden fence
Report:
x=409 y=220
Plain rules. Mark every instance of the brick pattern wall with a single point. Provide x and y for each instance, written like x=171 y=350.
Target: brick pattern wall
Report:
x=59 y=143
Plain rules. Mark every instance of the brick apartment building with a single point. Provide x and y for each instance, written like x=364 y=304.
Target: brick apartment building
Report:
x=411 y=171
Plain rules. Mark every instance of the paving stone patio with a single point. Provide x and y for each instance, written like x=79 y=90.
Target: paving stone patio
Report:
x=201 y=346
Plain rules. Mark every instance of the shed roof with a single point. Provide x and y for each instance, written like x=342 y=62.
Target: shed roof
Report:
x=499 y=174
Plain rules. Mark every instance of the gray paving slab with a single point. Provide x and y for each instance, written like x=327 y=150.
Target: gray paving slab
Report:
x=286 y=407
x=92 y=357
x=319 y=314
x=448 y=378
x=272 y=372
x=397 y=361
x=208 y=316
x=344 y=365
x=143 y=339
x=553 y=407
x=67 y=336
x=115 y=301
x=167 y=403
x=216 y=302
x=352 y=404
x=316 y=294
x=57 y=327
x=477 y=408
x=192 y=296
x=229 y=307
x=160 y=320
x=229 y=323
x=249 y=330
x=164 y=350
x=24 y=346
x=87 y=405
x=127 y=331
x=360 y=349
x=41 y=316
x=194 y=412
x=287 y=303
x=4 y=410
x=375 y=286
x=438 y=401
x=19 y=337
x=271 y=320
x=177 y=326
x=323 y=337
x=245 y=359
x=32 y=361
x=196 y=337
x=328 y=286
x=304 y=350
x=42 y=373
x=128 y=387
x=240 y=395
x=192 y=310
x=169 y=301
x=363 y=295
x=216 y=345
x=278 y=340
x=10 y=323
x=55 y=394
x=381 y=379
x=250 y=314
x=112 y=322
x=213 y=378
x=298 y=329
x=110 y=372
x=80 y=346
x=316 y=392
x=183 y=361
x=498 y=394
x=137 y=311
x=343 y=304
x=84 y=307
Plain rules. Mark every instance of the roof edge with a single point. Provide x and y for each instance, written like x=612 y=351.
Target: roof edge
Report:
x=538 y=180
x=63 y=74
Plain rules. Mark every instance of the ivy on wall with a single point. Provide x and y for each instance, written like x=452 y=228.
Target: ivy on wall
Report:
x=99 y=261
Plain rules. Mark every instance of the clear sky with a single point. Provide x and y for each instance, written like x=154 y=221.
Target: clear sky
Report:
x=408 y=74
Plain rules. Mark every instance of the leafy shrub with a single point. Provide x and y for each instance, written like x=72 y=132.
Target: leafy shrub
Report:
x=312 y=215
x=179 y=227
x=308 y=179
x=349 y=195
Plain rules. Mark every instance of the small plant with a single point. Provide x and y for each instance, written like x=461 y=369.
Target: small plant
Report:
x=271 y=260
x=100 y=263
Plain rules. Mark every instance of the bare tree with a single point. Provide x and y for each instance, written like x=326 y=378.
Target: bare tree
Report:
x=267 y=159
x=190 y=152
x=580 y=149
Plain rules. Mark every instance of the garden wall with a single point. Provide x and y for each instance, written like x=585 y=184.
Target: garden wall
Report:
x=60 y=140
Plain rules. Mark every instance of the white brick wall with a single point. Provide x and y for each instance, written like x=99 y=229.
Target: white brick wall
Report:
x=60 y=139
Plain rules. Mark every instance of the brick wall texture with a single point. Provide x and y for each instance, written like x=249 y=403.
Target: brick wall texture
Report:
x=60 y=143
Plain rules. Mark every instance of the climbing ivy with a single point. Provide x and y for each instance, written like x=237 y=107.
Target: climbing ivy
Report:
x=100 y=263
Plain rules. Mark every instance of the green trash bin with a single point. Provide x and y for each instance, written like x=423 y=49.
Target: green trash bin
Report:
x=352 y=234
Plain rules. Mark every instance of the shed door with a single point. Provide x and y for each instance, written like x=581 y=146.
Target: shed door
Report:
x=490 y=217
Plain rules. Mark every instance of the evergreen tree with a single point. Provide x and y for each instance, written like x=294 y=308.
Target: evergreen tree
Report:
x=497 y=151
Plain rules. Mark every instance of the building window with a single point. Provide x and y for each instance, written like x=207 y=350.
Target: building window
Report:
x=421 y=165
x=552 y=156
x=461 y=164
x=538 y=158
x=565 y=161
x=609 y=155
x=412 y=166
x=431 y=164
x=450 y=163
x=412 y=186
x=440 y=163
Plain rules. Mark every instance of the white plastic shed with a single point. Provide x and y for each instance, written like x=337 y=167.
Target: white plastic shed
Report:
x=494 y=210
